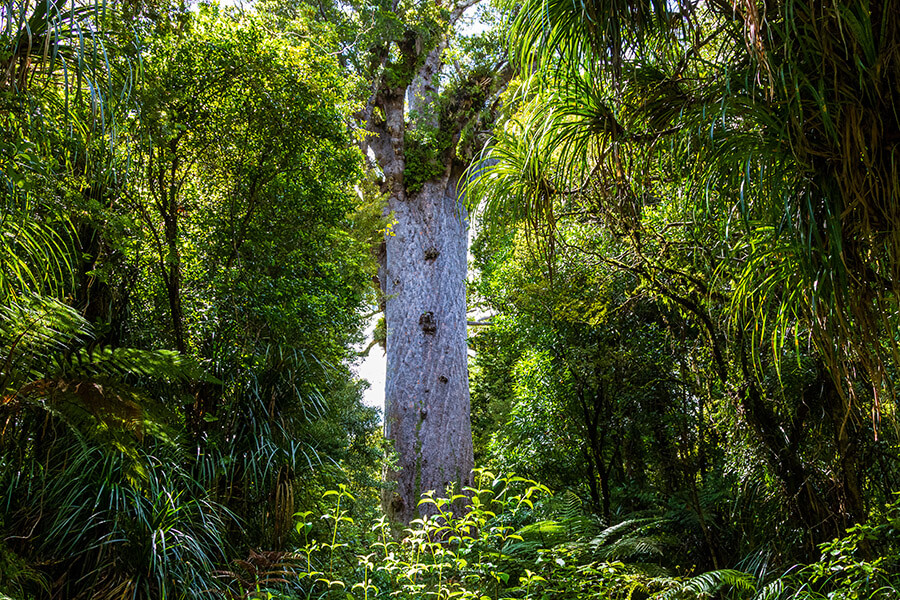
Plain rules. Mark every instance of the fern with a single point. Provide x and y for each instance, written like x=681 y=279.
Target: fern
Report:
x=32 y=330
x=48 y=367
x=706 y=585
x=634 y=547
x=544 y=533
x=571 y=506
x=159 y=365
x=260 y=571
x=579 y=522
x=622 y=528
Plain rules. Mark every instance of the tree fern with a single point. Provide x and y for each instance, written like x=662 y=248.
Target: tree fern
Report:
x=49 y=365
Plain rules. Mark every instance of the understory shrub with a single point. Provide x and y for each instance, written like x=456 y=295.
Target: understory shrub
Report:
x=502 y=545
x=862 y=565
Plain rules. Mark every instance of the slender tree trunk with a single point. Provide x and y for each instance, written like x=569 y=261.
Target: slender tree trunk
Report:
x=804 y=501
x=163 y=172
x=170 y=218
x=174 y=286
x=596 y=438
x=851 y=504
x=591 y=477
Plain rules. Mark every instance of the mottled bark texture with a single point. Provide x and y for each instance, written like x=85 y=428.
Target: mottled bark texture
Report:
x=427 y=389
x=422 y=276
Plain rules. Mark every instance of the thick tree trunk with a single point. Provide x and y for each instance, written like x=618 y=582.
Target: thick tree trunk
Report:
x=427 y=389
x=422 y=275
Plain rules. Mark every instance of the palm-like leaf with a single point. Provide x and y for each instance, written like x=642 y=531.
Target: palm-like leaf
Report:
x=776 y=124
x=59 y=97
x=514 y=178
x=33 y=254
x=76 y=468
x=111 y=534
x=580 y=31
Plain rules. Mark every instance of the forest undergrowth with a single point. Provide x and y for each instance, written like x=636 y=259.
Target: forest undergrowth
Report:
x=515 y=539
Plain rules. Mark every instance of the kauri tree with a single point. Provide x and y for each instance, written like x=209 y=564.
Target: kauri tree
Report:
x=419 y=119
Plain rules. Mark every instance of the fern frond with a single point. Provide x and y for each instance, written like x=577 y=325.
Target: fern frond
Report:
x=707 y=584
x=521 y=549
x=157 y=365
x=47 y=365
x=620 y=529
x=630 y=547
x=36 y=325
x=582 y=526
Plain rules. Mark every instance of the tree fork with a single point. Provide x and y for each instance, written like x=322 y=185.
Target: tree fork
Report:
x=422 y=274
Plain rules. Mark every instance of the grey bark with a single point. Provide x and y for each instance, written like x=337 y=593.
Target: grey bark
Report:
x=427 y=386
x=422 y=275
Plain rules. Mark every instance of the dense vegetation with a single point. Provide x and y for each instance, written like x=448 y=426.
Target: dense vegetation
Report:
x=685 y=265
x=175 y=348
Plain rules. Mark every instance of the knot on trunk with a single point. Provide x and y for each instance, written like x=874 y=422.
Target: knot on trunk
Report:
x=427 y=323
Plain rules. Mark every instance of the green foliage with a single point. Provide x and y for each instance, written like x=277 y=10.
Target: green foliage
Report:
x=744 y=116
x=424 y=159
x=684 y=320
x=253 y=126
x=75 y=473
x=860 y=565
x=16 y=575
x=692 y=283
x=50 y=365
x=473 y=552
x=459 y=109
x=377 y=40
x=60 y=98
x=179 y=295
x=94 y=527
